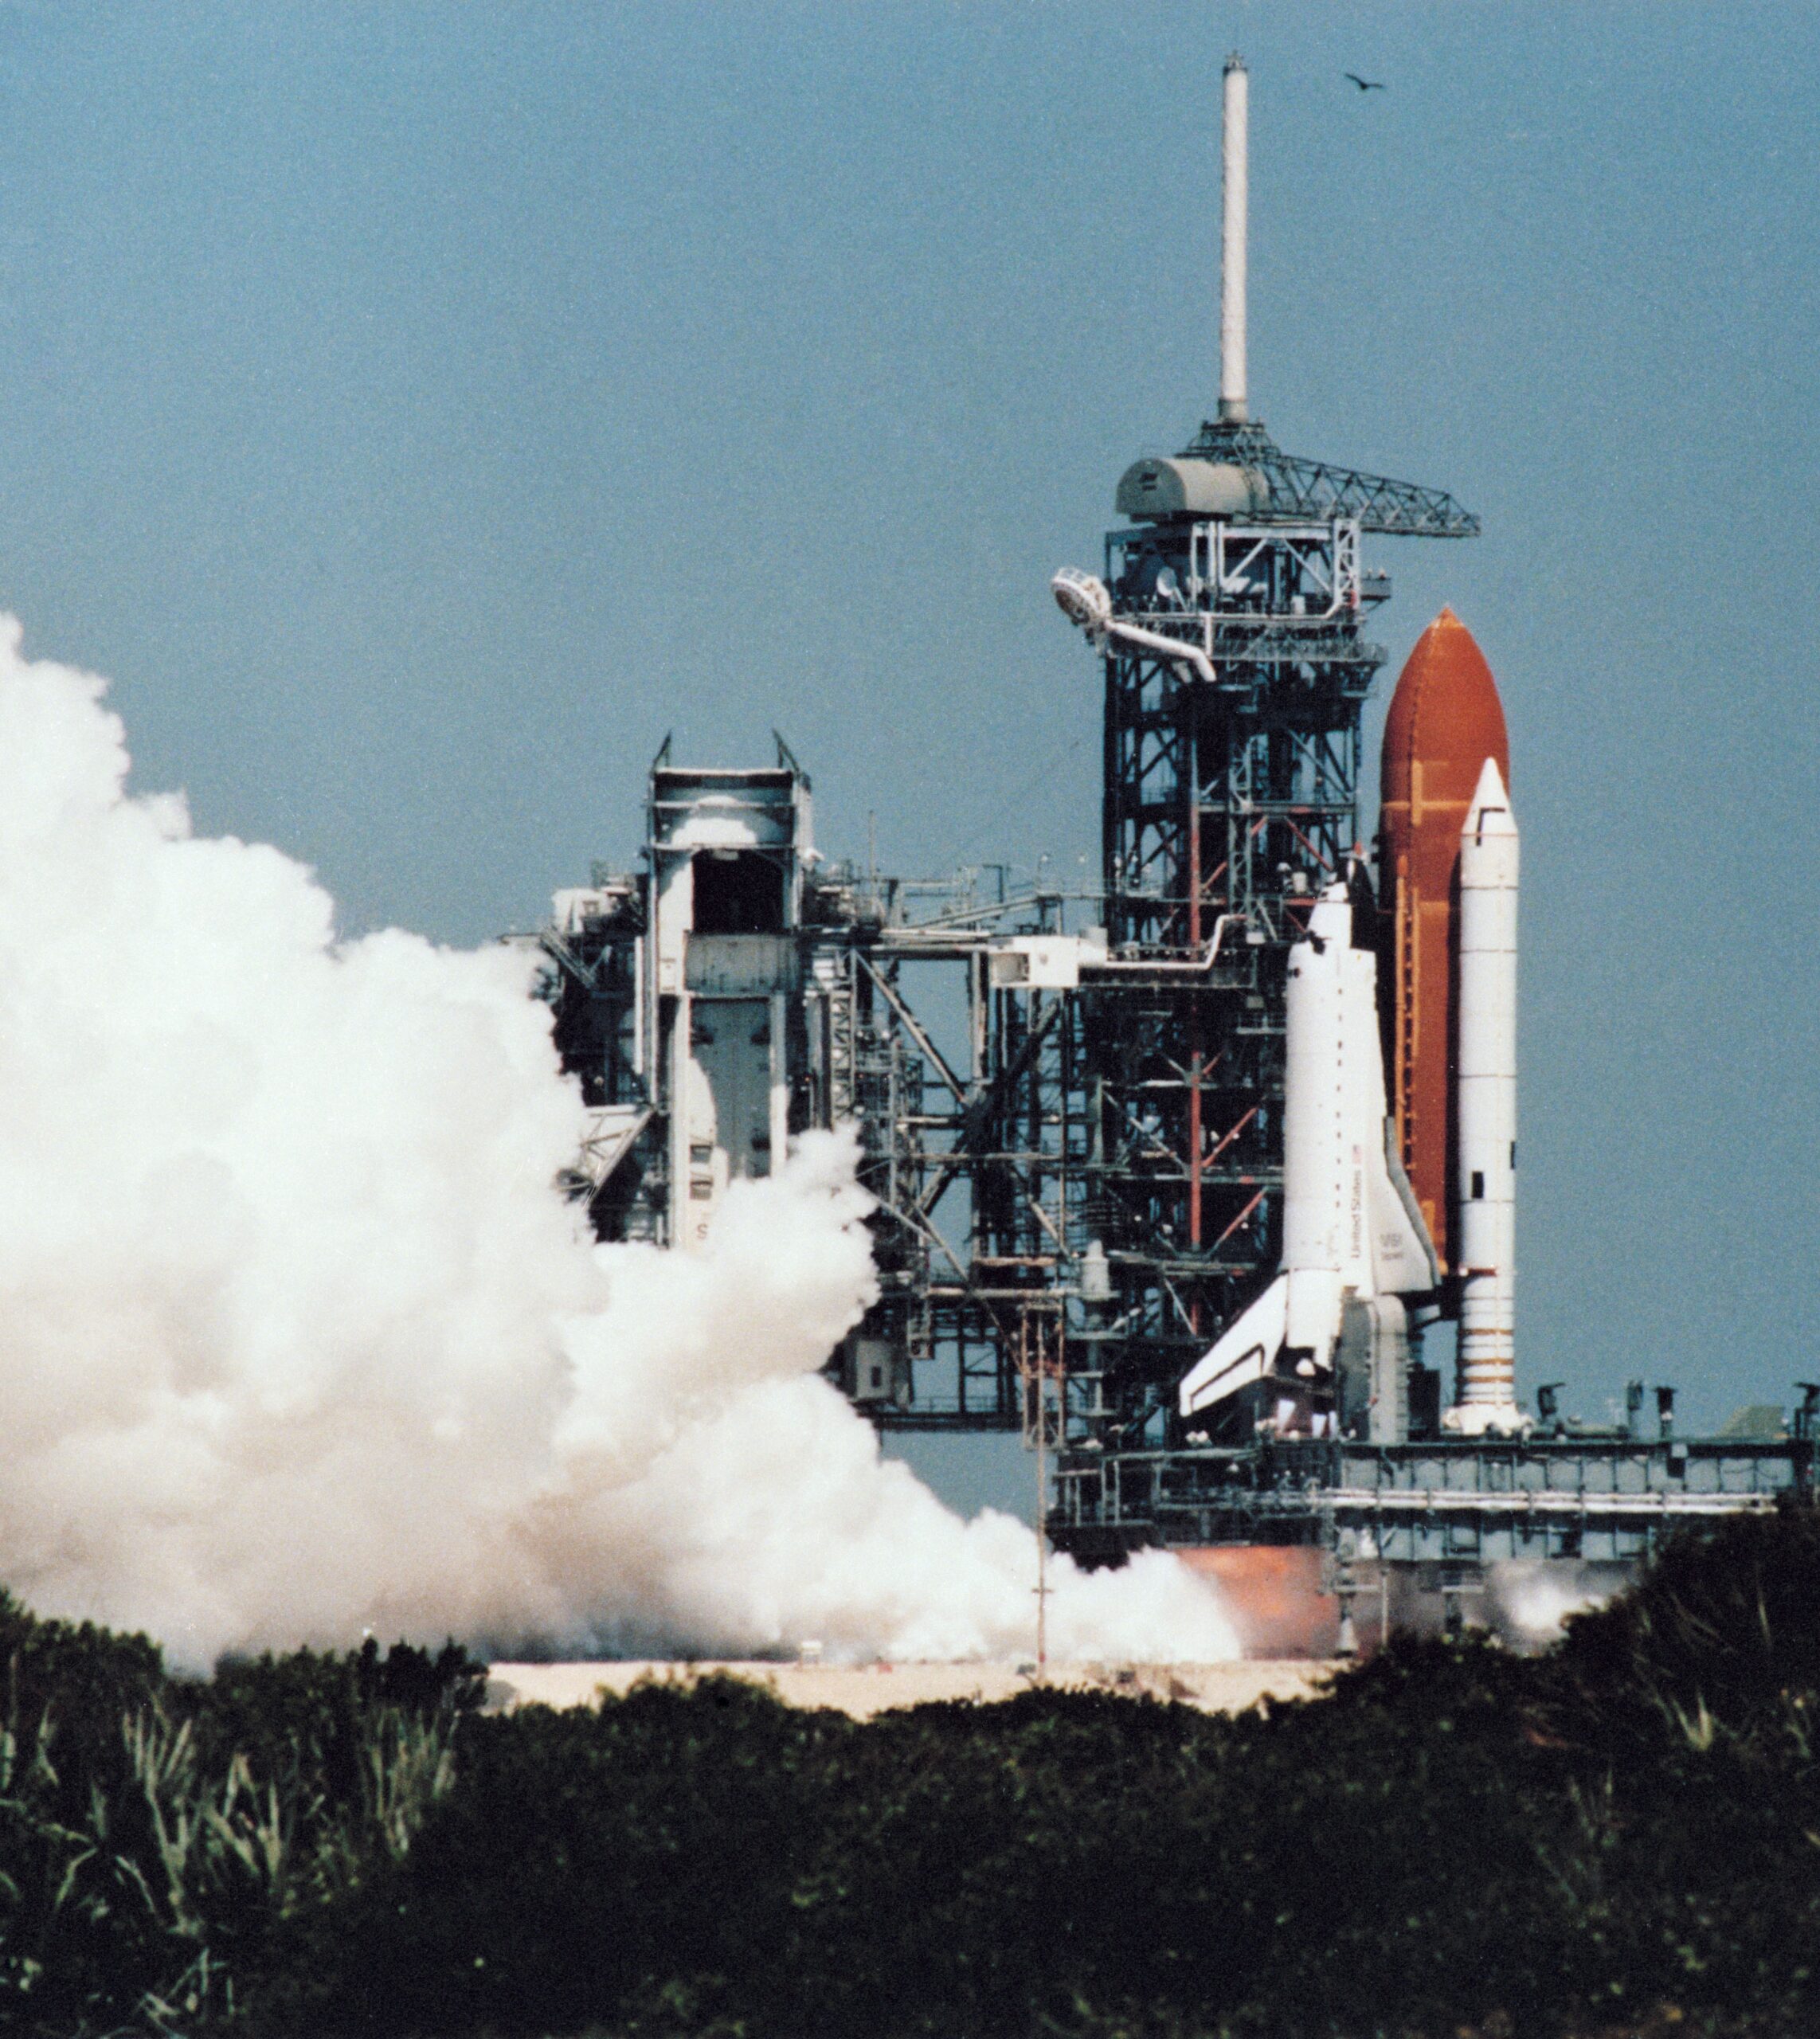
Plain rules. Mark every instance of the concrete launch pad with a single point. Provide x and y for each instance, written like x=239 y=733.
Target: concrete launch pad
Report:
x=864 y=1690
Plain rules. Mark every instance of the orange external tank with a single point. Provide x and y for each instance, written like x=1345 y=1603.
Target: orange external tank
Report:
x=1446 y=719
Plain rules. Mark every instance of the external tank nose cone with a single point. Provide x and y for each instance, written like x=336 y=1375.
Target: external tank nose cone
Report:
x=1445 y=719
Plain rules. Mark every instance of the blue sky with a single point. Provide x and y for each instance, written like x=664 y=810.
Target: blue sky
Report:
x=419 y=410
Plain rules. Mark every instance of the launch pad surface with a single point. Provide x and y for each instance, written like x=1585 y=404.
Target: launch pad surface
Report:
x=864 y=1690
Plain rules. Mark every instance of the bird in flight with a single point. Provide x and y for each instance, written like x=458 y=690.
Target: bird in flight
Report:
x=1367 y=84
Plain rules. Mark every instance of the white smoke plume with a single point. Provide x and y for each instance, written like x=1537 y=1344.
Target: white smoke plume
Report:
x=296 y=1338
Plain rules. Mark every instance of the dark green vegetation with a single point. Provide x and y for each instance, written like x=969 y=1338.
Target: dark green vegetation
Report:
x=1621 y=1836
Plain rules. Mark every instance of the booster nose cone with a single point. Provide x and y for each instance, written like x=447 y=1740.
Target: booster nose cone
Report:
x=1445 y=722
x=1488 y=813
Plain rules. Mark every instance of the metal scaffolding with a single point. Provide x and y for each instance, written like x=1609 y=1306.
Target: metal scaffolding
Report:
x=1068 y=1105
x=1096 y=1149
x=1231 y=797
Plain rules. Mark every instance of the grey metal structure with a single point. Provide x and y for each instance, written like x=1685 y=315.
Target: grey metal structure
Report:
x=1230 y=798
x=1069 y=1107
x=1314 y=491
x=741 y=989
x=1591 y=1499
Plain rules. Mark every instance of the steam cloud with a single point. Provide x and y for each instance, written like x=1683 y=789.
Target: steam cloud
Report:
x=296 y=1338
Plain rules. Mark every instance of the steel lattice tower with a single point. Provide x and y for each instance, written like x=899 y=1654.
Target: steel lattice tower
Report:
x=1230 y=619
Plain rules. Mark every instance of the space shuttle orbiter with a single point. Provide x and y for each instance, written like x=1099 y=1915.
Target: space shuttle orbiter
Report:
x=1332 y=1327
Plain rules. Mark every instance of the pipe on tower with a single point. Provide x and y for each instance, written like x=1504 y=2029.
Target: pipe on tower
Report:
x=1233 y=185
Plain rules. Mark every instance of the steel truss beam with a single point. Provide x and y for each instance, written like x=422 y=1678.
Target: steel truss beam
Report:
x=1300 y=490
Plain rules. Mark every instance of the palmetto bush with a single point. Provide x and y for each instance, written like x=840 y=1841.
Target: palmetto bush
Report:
x=155 y=1833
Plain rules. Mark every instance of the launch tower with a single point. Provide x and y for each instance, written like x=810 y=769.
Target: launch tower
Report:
x=1080 y=1180
x=1232 y=623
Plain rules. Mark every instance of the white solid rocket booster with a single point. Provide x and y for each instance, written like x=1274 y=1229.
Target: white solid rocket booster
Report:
x=1485 y=1252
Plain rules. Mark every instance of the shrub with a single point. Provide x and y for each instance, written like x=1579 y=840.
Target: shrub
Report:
x=154 y=1832
x=1453 y=1839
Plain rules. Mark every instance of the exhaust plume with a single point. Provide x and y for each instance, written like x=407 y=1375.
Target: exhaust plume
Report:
x=296 y=1336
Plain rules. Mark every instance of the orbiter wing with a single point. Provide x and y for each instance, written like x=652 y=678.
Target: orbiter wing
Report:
x=1245 y=1354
